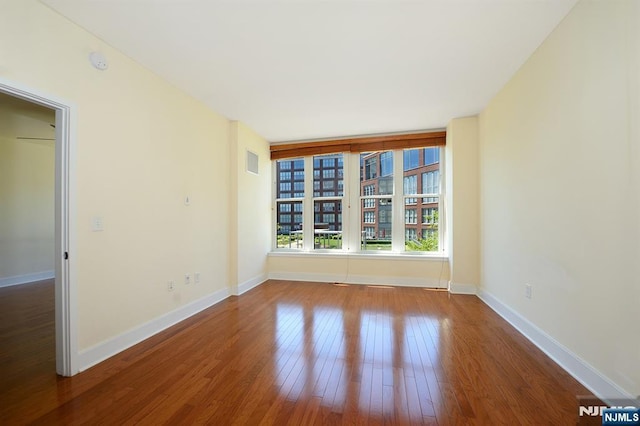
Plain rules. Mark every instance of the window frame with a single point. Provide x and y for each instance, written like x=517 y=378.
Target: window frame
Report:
x=353 y=207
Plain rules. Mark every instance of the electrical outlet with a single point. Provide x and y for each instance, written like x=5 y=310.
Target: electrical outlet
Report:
x=196 y=277
x=187 y=279
x=171 y=286
x=527 y=291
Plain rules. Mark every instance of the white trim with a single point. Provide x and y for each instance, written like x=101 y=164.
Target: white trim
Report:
x=27 y=278
x=65 y=220
x=339 y=254
x=592 y=379
x=251 y=283
x=355 y=279
x=462 y=288
x=307 y=276
x=100 y=352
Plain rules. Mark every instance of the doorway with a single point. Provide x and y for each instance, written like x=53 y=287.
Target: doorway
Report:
x=64 y=239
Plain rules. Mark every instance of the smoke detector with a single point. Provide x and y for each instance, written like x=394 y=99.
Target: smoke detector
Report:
x=98 y=61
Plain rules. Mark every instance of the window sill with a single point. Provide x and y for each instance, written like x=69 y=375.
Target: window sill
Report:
x=358 y=255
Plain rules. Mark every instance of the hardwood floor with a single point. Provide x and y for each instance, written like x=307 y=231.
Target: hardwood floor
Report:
x=293 y=353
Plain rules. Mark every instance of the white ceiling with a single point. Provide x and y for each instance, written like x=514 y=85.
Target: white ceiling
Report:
x=309 y=69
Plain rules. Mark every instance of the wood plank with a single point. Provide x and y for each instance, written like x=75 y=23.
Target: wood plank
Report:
x=292 y=353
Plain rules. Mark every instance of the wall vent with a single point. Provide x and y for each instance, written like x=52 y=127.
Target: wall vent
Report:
x=252 y=162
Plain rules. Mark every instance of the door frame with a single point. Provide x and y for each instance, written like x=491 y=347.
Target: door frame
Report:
x=65 y=222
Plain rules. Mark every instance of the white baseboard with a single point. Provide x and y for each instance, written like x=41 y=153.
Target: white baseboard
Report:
x=307 y=276
x=98 y=353
x=462 y=288
x=27 y=278
x=592 y=379
x=355 y=279
x=251 y=283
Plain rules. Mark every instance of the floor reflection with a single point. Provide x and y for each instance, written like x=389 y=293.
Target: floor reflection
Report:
x=384 y=365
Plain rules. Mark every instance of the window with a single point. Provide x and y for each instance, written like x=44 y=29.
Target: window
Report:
x=386 y=164
x=285 y=186
x=371 y=167
x=289 y=226
x=397 y=201
x=375 y=201
x=329 y=162
x=285 y=176
x=410 y=216
x=431 y=156
x=369 y=217
x=385 y=185
x=410 y=187
x=327 y=203
x=430 y=185
x=369 y=232
x=411 y=158
x=430 y=216
x=368 y=190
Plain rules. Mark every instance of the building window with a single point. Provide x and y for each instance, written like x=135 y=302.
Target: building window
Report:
x=430 y=185
x=431 y=156
x=410 y=234
x=371 y=168
x=397 y=201
x=410 y=187
x=430 y=216
x=328 y=173
x=411 y=158
x=369 y=232
x=410 y=216
x=369 y=217
x=285 y=176
x=285 y=186
x=386 y=164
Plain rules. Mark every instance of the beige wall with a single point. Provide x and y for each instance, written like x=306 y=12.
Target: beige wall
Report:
x=462 y=204
x=252 y=208
x=560 y=189
x=26 y=200
x=142 y=147
x=363 y=269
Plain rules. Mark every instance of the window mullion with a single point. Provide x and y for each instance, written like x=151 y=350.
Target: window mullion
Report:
x=274 y=204
x=353 y=161
x=397 y=218
x=307 y=208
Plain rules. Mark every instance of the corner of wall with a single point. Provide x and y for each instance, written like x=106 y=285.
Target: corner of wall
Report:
x=462 y=204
